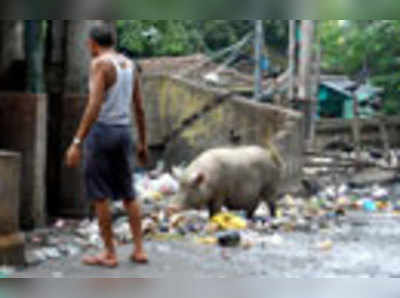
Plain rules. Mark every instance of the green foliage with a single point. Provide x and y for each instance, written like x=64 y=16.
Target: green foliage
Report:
x=350 y=46
x=219 y=34
x=158 y=38
x=180 y=37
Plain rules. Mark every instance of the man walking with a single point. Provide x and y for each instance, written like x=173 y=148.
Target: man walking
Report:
x=106 y=130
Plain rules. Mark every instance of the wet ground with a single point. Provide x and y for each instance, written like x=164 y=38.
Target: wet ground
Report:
x=364 y=245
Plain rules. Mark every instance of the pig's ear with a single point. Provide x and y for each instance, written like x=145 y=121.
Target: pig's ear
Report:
x=197 y=179
x=177 y=173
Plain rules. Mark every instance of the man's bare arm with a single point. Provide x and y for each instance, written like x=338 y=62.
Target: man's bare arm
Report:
x=139 y=111
x=96 y=98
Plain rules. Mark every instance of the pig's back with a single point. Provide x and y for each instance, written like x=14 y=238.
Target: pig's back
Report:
x=244 y=156
x=236 y=164
x=233 y=157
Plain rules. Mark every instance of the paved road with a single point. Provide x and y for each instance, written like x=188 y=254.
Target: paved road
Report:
x=364 y=246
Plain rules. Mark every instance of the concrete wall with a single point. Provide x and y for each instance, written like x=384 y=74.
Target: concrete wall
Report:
x=23 y=127
x=332 y=129
x=77 y=57
x=11 y=241
x=188 y=119
x=71 y=189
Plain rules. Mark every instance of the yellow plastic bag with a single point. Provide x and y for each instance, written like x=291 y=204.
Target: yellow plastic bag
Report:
x=229 y=221
x=207 y=240
x=326 y=245
x=153 y=196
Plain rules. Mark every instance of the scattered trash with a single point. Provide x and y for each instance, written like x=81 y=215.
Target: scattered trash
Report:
x=328 y=203
x=157 y=172
x=207 y=240
x=6 y=271
x=229 y=221
x=325 y=245
x=52 y=253
x=379 y=193
x=272 y=240
x=369 y=205
x=35 y=257
x=166 y=185
x=60 y=224
x=228 y=239
x=148 y=226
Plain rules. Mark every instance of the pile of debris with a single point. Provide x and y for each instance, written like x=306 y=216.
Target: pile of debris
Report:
x=326 y=207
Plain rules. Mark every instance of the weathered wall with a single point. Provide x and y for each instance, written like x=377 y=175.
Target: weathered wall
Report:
x=12 y=54
x=11 y=241
x=341 y=129
x=23 y=129
x=188 y=119
x=11 y=43
x=71 y=189
x=77 y=56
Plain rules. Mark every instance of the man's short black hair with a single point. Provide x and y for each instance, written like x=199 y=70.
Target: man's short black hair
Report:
x=104 y=34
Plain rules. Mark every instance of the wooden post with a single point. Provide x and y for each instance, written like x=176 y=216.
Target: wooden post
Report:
x=305 y=73
x=258 y=42
x=385 y=139
x=356 y=129
x=292 y=59
x=315 y=88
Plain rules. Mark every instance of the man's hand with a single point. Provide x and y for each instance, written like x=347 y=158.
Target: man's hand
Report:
x=143 y=155
x=73 y=156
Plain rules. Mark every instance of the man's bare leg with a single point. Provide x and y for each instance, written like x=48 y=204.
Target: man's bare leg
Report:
x=109 y=257
x=133 y=209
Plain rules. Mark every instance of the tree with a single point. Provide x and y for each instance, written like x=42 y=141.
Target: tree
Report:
x=350 y=46
x=179 y=37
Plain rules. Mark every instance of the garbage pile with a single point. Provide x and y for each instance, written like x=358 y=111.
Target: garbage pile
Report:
x=325 y=209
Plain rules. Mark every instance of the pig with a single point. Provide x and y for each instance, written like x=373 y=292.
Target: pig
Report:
x=237 y=178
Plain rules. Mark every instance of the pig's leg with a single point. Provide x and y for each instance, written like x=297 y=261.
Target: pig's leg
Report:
x=250 y=212
x=269 y=195
x=272 y=207
x=214 y=207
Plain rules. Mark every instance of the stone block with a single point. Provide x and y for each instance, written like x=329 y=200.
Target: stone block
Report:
x=11 y=240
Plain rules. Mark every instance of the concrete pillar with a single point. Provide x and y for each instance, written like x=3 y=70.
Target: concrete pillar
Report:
x=11 y=240
x=23 y=126
x=77 y=57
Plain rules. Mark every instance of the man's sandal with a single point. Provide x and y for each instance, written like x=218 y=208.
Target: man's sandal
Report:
x=100 y=261
x=140 y=260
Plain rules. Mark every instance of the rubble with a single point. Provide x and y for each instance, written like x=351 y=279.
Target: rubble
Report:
x=228 y=239
x=229 y=221
x=327 y=204
x=325 y=245
x=6 y=271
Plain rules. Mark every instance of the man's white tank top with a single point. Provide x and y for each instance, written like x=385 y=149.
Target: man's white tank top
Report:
x=117 y=107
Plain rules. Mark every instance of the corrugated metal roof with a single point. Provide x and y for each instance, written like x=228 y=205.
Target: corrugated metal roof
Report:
x=368 y=89
x=342 y=86
x=339 y=86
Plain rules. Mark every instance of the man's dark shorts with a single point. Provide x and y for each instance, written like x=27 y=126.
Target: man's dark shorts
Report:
x=108 y=167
